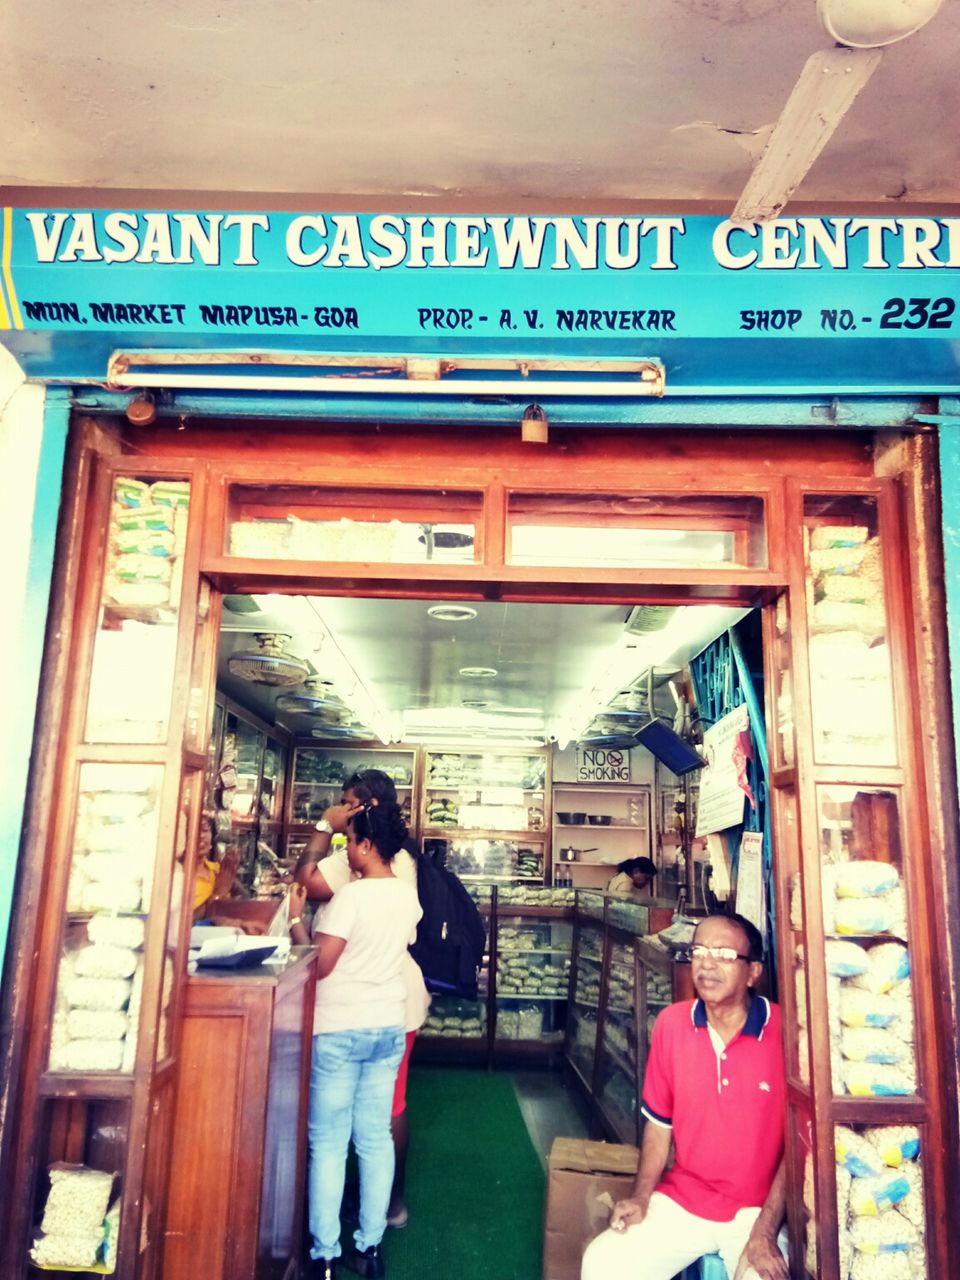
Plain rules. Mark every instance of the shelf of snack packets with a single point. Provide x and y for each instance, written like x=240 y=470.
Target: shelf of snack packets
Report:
x=523 y=982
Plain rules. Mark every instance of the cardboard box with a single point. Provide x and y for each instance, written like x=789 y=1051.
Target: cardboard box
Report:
x=584 y=1179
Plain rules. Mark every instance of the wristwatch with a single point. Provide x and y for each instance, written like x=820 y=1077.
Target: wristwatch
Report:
x=324 y=825
x=294 y=920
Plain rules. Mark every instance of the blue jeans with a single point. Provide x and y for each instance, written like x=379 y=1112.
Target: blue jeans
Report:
x=351 y=1096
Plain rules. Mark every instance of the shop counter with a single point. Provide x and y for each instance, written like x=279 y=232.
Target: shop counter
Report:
x=235 y=1209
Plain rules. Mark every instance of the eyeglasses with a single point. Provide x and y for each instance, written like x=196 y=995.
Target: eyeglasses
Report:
x=726 y=955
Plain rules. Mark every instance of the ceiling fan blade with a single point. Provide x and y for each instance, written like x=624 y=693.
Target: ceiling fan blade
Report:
x=828 y=84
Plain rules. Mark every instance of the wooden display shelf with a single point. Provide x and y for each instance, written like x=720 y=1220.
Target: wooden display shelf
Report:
x=533 y=951
x=338 y=786
x=898 y=1109
x=483 y=833
x=601 y=826
x=480 y=877
x=531 y=912
x=98 y=1269
x=484 y=784
x=427 y=1046
x=602 y=788
x=504 y=1044
x=532 y=996
x=68 y=1084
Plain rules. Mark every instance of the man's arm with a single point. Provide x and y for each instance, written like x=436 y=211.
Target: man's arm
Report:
x=654 y=1151
x=761 y=1251
x=306 y=871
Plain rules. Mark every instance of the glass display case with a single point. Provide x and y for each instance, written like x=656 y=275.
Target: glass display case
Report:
x=523 y=983
x=109 y=892
x=456 y=1026
x=245 y=791
x=586 y=980
x=484 y=813
x=102 y=1044
x=532 y=971
x=851 y=693
x=241 y=759
x=854 y=948
x=135 y=645
x=617 y=1071
x=622 y=977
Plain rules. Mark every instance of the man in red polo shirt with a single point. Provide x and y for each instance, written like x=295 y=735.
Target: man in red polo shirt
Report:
x=715 y=1090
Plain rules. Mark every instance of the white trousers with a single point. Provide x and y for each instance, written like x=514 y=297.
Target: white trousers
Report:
x=667 y=1240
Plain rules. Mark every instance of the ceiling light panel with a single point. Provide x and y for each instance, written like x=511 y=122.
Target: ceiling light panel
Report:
x=451 y=612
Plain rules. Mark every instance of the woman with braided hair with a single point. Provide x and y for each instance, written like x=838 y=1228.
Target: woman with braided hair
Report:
x=358 y=1036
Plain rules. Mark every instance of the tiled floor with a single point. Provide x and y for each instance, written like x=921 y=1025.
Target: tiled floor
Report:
x=549 y=1108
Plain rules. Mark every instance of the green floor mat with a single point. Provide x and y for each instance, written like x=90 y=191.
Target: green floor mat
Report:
x=475 y=1185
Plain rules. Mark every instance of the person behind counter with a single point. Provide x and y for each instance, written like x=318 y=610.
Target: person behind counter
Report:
x=358 y=1037
x=215 y=885
x=322 y=874
x=714 y=1090
x=636 y=875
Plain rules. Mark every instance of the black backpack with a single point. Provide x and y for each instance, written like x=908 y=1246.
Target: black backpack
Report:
x=451 y=937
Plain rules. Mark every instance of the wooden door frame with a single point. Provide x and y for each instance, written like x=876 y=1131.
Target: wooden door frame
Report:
x=582 y=462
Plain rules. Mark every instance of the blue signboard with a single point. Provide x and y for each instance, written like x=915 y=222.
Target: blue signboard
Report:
x=550 y=285
x=408 y=275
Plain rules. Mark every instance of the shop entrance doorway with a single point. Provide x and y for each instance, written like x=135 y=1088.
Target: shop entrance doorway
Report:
x=376 y=674
x=812 y=533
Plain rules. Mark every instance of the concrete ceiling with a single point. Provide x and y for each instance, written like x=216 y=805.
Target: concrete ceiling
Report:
x=553 y=100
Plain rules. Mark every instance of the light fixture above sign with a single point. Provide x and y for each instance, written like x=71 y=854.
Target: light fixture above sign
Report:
x=598 y=376
x=870 y=24
x=451 y=612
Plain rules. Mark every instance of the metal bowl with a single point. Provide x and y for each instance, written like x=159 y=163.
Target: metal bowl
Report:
x=600 y=819
x=571 y=819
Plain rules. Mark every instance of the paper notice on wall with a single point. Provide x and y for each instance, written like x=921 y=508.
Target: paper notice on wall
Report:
x=723 y=786
x=750 y=894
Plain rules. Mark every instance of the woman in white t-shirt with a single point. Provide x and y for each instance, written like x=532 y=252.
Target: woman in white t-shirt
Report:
x=358 y=1036
x=322 y=873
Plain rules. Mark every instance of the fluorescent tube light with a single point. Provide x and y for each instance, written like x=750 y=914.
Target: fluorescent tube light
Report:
x=828 y=84
x=427 y=739
x=364 y=374
x=463 y=722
